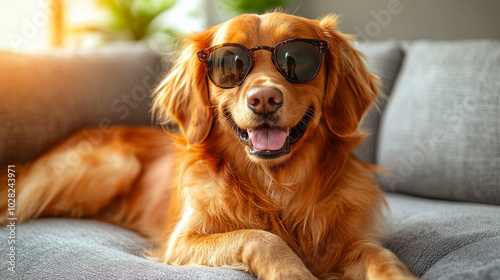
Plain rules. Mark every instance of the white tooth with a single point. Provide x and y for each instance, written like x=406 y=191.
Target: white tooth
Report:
x=287 y=131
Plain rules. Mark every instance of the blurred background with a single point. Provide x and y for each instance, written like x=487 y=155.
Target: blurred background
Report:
x=41 y=24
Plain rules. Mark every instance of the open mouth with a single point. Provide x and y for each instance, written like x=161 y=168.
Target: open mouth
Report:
x=268 y=142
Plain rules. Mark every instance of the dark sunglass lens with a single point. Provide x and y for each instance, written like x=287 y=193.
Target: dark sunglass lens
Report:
x=298 y=61
x=228 y=66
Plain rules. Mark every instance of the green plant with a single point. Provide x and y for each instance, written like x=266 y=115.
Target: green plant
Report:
x=135 y=16
x=131 y=20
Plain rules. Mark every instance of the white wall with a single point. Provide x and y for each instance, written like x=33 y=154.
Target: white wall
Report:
x=24 y=24
x=409 y=19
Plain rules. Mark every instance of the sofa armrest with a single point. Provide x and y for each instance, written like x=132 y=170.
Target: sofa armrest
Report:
x=48 y=96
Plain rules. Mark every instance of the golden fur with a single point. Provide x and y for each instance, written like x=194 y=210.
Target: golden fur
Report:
x=198 y=193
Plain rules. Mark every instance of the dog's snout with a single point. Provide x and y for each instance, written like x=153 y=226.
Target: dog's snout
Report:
x=264 y=100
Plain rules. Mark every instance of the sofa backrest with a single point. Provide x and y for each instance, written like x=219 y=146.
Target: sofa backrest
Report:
x=440 y=131
x=383 y=59
x=46 y=97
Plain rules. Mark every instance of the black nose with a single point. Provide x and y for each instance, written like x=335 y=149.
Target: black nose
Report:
x=264 y=100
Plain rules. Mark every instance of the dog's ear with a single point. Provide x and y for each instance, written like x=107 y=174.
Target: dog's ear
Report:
x=351 y=88
x=181 y=101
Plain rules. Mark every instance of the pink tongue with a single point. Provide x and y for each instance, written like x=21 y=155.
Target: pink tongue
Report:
x=267 y=138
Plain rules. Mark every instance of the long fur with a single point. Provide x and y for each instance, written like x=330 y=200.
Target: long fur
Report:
x=196 y=192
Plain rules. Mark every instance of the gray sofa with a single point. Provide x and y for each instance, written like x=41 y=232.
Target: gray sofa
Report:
x=438 y=133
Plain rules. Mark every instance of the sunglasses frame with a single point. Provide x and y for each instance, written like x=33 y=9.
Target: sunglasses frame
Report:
x=321 y=45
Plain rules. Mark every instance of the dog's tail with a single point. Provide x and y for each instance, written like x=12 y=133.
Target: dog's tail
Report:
x=75 y=179
x=9 y=178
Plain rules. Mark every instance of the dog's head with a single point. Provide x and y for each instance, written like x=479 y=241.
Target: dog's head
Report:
x=271 y=82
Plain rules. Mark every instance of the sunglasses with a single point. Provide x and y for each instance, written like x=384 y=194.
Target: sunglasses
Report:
x=298 y=60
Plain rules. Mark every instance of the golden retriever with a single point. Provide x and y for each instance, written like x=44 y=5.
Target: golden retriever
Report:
x=256 y=170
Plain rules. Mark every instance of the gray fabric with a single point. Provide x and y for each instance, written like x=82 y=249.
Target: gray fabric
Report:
x=83 y=249
x=47 y=96
x=442 y=239
x=384 y=60
x=436 y=239
x=480 y=260
x=440 y=134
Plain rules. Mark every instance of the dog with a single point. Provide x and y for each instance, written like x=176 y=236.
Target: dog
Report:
x=254 y=169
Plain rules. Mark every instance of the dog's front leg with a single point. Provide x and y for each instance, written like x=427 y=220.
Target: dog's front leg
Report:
x=384 y=265
x=261 y=253
x=376 y=263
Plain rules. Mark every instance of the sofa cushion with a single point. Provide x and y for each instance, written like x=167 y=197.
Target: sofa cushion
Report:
x=444 y=240
x=47 y=96
x=440 y=134
x=384 y=60
x=83 y=249
x=480 y=260
x=435 y=239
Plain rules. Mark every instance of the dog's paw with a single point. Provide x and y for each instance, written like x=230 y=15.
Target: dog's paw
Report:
x=392 y=275
x=293 y=274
